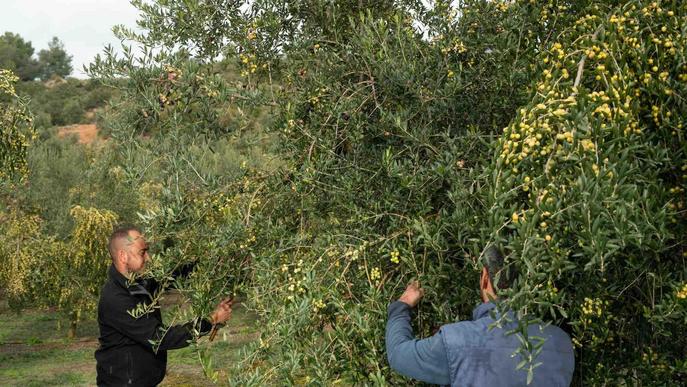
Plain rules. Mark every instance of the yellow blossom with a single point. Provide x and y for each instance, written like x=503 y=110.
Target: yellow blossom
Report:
x=395 y=256
x=682 y=293
x=375 y=274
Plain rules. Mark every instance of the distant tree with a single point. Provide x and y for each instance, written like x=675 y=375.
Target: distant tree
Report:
x=54 y=60
x=16 y=54
x=16 y=129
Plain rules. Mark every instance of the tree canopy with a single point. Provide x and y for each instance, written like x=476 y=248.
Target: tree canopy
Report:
x=16 y=55
x=54 y=60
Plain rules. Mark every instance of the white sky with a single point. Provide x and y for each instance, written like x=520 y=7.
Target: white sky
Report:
x=84 y=26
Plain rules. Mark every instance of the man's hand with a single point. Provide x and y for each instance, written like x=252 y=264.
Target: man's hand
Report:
x=222 y=312
x=413 y=294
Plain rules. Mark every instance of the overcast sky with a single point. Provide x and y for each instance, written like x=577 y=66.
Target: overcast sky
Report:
x=84 y=26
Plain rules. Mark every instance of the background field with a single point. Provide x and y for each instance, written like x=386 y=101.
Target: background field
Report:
x=34 y=352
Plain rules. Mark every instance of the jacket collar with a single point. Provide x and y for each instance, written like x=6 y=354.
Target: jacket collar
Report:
x=134 y=288
x=117 y=277
x=482 y=310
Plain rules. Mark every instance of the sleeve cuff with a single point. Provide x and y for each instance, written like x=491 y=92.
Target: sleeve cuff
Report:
x=204 y=326
x=398 y=307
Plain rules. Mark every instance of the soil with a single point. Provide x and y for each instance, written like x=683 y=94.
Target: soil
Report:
x=20 y=348
x=88 y=133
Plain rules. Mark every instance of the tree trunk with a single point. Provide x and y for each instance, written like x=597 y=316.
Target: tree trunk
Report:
x=73 y=321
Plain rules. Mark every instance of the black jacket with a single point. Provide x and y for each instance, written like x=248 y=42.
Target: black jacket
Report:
x=126 y=356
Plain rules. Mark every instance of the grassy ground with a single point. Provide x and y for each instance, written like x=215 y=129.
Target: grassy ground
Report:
x=34 y=352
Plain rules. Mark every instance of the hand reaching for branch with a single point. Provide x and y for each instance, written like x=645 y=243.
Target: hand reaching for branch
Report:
x=412 y=294
x=222 y=312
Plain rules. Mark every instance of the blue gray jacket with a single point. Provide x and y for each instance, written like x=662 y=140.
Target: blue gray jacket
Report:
x=468 y=353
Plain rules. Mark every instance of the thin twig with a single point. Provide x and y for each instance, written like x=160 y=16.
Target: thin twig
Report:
x=580 y=66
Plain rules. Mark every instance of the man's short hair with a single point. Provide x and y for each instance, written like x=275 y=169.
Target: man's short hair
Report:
x=121 y=232
x=502 y=275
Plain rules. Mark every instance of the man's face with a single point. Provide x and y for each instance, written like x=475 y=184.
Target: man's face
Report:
x=136 y=251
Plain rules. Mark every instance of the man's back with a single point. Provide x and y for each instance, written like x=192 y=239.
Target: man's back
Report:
x=468 y=353
x=481 y=356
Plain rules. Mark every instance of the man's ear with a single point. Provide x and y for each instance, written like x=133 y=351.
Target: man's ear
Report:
x=121 y=256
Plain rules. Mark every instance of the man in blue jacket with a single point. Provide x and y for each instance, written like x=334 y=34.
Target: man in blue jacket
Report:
x=469 y=353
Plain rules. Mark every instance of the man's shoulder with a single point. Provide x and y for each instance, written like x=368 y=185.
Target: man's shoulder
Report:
x=463 y=333
x=110 y=288
x=485 y=333
x=113 y=294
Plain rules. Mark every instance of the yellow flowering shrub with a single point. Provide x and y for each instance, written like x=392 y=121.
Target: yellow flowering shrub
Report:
x=20 y=238
x=16 y=129
x=87 y=260
x=38 y=270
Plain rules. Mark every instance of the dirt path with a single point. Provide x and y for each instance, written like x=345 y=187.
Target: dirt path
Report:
x=22 y=348
x=87 y=133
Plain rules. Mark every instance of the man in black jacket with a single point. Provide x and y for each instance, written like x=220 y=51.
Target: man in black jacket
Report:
x=133 y=340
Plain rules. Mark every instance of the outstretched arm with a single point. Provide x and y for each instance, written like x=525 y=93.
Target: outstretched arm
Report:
x=147 y=330
x=424 y=359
